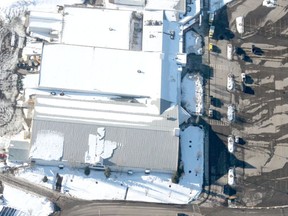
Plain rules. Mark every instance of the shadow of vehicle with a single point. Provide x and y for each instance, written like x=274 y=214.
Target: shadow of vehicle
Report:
x=239 y=51
x=246 y=58
x=249 y=90
x=217 y=115
x=216 y=102
x=242 y=54
x=228 y=190
x=241 y=141
x=249 y=79
x=216 y=49
x=256 y=50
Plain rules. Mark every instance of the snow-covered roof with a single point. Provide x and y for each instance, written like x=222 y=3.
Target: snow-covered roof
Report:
x=153 y=28
x=107 y=71
x=45 y=25
x=177 y=5
x=99 y=28
x=162 y=5
x=142 y=140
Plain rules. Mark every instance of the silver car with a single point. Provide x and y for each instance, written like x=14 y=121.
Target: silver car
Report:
x=231 y=143
x=229 y=52
x=230 y=82
x=231 y=113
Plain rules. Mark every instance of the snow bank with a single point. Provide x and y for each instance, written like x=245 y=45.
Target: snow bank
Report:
x=269 y=3
x=192 y=93
x=26 y=203
x=15 y=8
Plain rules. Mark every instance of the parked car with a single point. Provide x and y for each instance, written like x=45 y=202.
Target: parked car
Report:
x=211 y=31
x=237 y=139
x=231 y=176
x=130 y=172
x=211 y=18
x=210 y=113
x=231 y=144
x=256 y=50
x=231 y=113
x=229 y=52
x=230 y=82
x=243 y=77
x=240 y=24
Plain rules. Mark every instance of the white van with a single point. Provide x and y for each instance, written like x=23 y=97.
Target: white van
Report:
x=240 y=24
x=231 y=113
x=229 y=52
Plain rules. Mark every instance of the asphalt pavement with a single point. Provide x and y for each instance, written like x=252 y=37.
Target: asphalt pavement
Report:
x=260 y=159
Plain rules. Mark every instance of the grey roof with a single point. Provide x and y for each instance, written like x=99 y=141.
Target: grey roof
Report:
x=137 y=148
x=19 y=151
x=151 y=145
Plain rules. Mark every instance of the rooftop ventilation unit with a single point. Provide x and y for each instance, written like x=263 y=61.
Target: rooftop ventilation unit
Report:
x=176 y=132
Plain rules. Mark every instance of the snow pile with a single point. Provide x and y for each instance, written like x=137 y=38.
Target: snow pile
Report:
x=217 y=4
x=192 y=140
x=193 y=43
x=269 y=3
x=27 y=204
x=192 y=94
x=15 y=8
x=48 y=145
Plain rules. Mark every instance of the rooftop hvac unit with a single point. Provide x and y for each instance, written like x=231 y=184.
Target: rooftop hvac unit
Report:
x=148 y=22
x=176 y=132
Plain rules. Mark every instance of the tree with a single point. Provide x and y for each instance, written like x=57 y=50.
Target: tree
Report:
x=87 y=170
x=45 y=179
x=107 y=172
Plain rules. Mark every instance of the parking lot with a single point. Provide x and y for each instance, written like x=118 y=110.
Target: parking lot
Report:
x=260 y=157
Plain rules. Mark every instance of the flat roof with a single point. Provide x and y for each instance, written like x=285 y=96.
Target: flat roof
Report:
x=153 y=22
x=97 y=27
x=110 y=71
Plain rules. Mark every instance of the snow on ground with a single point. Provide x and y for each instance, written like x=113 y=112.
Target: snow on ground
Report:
x=217 y=4
x=192 y=140
x=192 y=93
x=193 y=43
x=138 y=186
x=26 y=203
x=14 y=8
